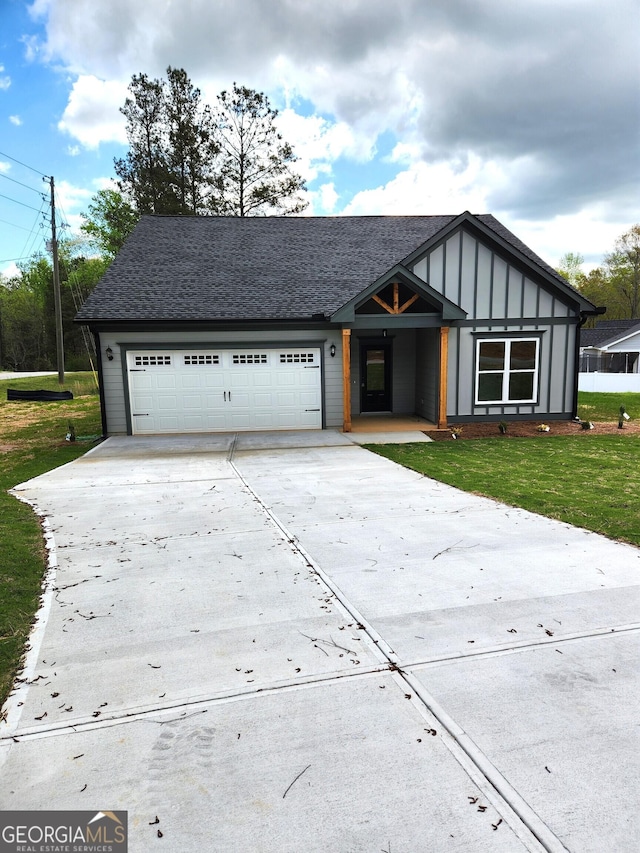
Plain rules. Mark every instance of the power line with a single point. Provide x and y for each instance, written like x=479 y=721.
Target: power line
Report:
x=33 y=189
x=15 y=201
x=37 y=171
x=31 y=239
x=21 y=227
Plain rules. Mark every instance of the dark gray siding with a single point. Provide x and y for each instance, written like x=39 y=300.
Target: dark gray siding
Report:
x=499 y=297
x=427 y=373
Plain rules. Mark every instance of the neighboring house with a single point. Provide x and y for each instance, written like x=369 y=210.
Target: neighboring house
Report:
x=222 y=323
x=613 y=346
x=610 y=357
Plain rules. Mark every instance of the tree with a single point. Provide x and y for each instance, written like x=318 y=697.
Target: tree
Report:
x=623 y=269
x=190 y=145
x=570 y=267
x=22 y=326
x=27 y=320
x=616 y=283
x=109 y=221
x=144 y=171
x=253 y=170
x=185 y=159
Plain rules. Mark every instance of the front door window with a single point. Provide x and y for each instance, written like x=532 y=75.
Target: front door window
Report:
x=375 y=379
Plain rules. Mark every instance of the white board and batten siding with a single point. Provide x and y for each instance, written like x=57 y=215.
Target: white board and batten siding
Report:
x=177 y=386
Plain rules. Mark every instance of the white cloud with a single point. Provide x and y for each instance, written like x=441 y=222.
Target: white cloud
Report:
x=318 y=142
x=92 y=115
x=5 y=80
x=586 y=232
x=10 y=271
x=4 y=167
x=15 y=120
x=71 y=201
x=323 y=201
x=424 y=189
x=527 y=110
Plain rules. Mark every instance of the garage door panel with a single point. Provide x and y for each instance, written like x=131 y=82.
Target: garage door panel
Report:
x=191 y=381
x=167 y=423
x=168 y=403
x=309 y=378
x=224 y=390
x=142 y=402
x=262 y=379
x=194 y=423
x=165 y=382
x=193 y=401
x=239 y=379
x=212 y=380
x=285 y=398
x=263 y=399
x=309 y=398
x=141 y=381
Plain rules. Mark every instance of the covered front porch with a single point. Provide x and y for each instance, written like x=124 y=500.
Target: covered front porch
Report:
x=395 y=356
x=390 y=423
x=394 y=379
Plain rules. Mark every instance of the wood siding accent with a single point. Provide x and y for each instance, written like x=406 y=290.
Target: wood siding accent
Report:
x=346 y=380
x=442 y=389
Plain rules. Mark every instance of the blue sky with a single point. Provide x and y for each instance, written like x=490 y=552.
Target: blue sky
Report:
x=528 y=109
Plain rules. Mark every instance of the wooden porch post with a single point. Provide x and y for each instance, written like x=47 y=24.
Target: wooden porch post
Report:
x=442 y=391
x=346 y=380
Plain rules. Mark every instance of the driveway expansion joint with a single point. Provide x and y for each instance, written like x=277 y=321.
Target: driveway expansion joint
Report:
x=512 y=807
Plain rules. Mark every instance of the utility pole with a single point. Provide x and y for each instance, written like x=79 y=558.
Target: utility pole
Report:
x=56 y=287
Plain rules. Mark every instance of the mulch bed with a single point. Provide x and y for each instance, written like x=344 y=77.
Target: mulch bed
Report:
x=529 y=429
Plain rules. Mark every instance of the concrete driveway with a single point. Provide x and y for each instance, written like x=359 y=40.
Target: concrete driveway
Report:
x=282 y=642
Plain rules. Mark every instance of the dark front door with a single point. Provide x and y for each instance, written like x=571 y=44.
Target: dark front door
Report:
x=375 y=378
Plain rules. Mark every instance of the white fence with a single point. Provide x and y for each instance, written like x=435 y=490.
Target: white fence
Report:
x=617 y=383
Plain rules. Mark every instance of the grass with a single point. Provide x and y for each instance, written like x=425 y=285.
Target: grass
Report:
x=593 y=406
x=32 y=441
x=592 y=483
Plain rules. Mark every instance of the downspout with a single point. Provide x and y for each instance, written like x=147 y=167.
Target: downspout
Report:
x=584 y=316
x=103 y=409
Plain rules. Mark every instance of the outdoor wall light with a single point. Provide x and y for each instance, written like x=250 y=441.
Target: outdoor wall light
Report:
x=109 y=352
x=332 y=350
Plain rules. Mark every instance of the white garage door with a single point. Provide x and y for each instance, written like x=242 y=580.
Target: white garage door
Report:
x=224 y=390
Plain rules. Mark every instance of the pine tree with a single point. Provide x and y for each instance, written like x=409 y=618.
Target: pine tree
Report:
x=253 y=169
x=144 y=172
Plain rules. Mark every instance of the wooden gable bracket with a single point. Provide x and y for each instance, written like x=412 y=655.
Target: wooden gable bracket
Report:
x=396 y=308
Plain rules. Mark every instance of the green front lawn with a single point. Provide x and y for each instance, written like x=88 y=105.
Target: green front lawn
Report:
x=593 y=406
x=590 y=481
x=32 y=441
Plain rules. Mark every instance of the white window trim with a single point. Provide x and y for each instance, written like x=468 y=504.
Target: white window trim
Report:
x=507 y=372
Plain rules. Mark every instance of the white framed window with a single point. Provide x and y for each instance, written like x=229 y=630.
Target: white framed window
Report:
x=507 y=370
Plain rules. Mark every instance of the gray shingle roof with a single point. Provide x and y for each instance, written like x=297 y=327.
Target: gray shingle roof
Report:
x=607 y=331
x=258 y=268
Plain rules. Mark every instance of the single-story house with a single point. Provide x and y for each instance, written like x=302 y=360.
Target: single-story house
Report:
x=223 y=323
x=612 y=346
